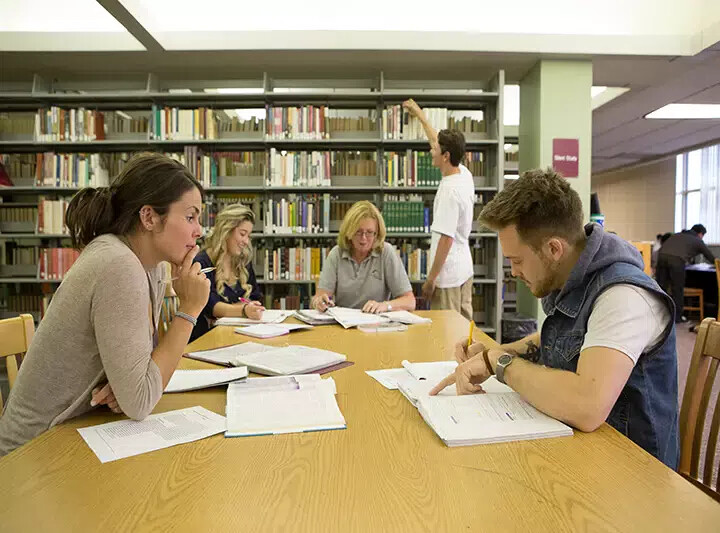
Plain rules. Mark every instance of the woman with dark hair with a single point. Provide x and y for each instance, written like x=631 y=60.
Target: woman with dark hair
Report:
x=234 y=290
x=97 y=343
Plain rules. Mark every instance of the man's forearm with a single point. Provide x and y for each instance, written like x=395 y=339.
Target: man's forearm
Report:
x=527 y=348
x=429 y=130
x=558 y=393
x=441 y=253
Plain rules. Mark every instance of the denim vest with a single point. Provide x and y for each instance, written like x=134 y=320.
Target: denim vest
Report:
x=647 y=409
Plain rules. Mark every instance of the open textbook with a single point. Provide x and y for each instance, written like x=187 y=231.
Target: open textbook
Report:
x=272 y=360
x=290 y=360
x=498 y=415
x=349 y=318
x=227 y=355
x=187 y=380
x=294 y=404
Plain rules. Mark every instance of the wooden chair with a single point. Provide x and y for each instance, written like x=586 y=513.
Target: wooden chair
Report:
x=717 y=276
x=694 y=410
x=169 y=307
x=16 y=334
x=695 y=293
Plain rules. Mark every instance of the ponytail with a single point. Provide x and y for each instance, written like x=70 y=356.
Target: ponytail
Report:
x=89 y=214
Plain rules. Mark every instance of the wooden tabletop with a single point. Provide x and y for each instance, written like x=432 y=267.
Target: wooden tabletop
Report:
x=387 y=471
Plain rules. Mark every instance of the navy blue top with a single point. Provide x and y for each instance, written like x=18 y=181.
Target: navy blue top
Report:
x=232 y=294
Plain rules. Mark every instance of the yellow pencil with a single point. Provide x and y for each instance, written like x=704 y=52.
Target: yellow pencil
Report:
x=472 y=328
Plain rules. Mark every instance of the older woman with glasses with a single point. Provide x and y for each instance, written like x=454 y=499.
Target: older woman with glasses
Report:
x=363 y=271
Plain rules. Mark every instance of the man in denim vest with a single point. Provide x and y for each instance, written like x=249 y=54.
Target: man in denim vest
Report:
x=606 y=352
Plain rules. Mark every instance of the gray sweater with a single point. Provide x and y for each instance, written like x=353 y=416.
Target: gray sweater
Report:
x=96 y=329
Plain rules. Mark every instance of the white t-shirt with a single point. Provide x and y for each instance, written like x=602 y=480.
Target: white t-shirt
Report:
x=452 y=216
x=627 y=318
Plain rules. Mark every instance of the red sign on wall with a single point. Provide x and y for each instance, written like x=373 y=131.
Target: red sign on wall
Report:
x=565 y=157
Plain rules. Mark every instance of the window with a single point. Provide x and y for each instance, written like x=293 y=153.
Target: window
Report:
x=697 y=191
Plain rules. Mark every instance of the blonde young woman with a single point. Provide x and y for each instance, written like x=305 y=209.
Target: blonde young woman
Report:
x=363 y=271
x=234 y=291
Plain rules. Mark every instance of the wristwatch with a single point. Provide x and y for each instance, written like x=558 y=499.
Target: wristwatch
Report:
x=389 y=307
x=502 y=363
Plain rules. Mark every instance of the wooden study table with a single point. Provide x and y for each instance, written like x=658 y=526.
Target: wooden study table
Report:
x=387 y=471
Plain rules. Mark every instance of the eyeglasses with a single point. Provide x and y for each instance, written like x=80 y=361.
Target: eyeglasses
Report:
x=370 y=234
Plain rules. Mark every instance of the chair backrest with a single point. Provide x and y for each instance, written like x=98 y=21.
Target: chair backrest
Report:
x=717 y=275
x=694 y=410
x=16 y=334
x=167 y=313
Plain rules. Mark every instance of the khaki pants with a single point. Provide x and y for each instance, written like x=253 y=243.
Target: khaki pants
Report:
x=454 y=298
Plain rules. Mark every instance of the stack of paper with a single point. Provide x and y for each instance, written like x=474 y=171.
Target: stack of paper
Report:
x=116 y=440
x=269 y=316
x=290 y=360
x=187 y=380
x=267 y=406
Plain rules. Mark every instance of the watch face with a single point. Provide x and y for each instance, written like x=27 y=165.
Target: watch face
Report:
x=504 y=359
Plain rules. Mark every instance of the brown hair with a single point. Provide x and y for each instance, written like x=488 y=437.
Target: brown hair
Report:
x=146 y=179
x=541 y=204
x=452 y=142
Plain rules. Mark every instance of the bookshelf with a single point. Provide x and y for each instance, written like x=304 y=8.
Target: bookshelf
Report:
x=352 y=135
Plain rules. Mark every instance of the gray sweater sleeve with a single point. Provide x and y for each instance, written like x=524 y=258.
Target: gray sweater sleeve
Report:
x=703 y=249
x=121 y=322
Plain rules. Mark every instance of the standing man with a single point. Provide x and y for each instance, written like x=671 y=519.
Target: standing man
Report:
x=675 y=253
x=450 y=279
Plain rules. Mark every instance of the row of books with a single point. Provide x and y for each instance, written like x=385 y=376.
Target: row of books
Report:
x=175 y=124
x=54 y=263
x=306 y=122
x=406 y=213
x=415 y=259
x=58 y=124
x=17 y=214
x=20 y=255
x=294 y=263
x=410 y=169
x=204 y=123
x=71 y=170
x=51 y=216
x=216 y=203
x=298 y=214
x=28 y=303
x=302 y=169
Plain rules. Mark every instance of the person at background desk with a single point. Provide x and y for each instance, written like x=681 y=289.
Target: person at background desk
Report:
x=234 y=291
x=363 y=271
x=606 y=351
x=674 y=254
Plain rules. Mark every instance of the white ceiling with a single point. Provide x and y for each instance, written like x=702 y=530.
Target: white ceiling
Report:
x=621 y=136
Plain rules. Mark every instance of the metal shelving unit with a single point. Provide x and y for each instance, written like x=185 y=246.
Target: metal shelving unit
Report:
x=378 y=93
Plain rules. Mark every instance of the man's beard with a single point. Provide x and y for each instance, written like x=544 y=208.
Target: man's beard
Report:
x=546 y=284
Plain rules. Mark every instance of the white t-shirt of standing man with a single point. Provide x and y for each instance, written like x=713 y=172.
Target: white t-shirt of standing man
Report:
x=452 y=216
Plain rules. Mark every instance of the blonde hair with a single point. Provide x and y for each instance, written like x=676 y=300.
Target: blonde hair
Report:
x=216 y=247
x=351 y=223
